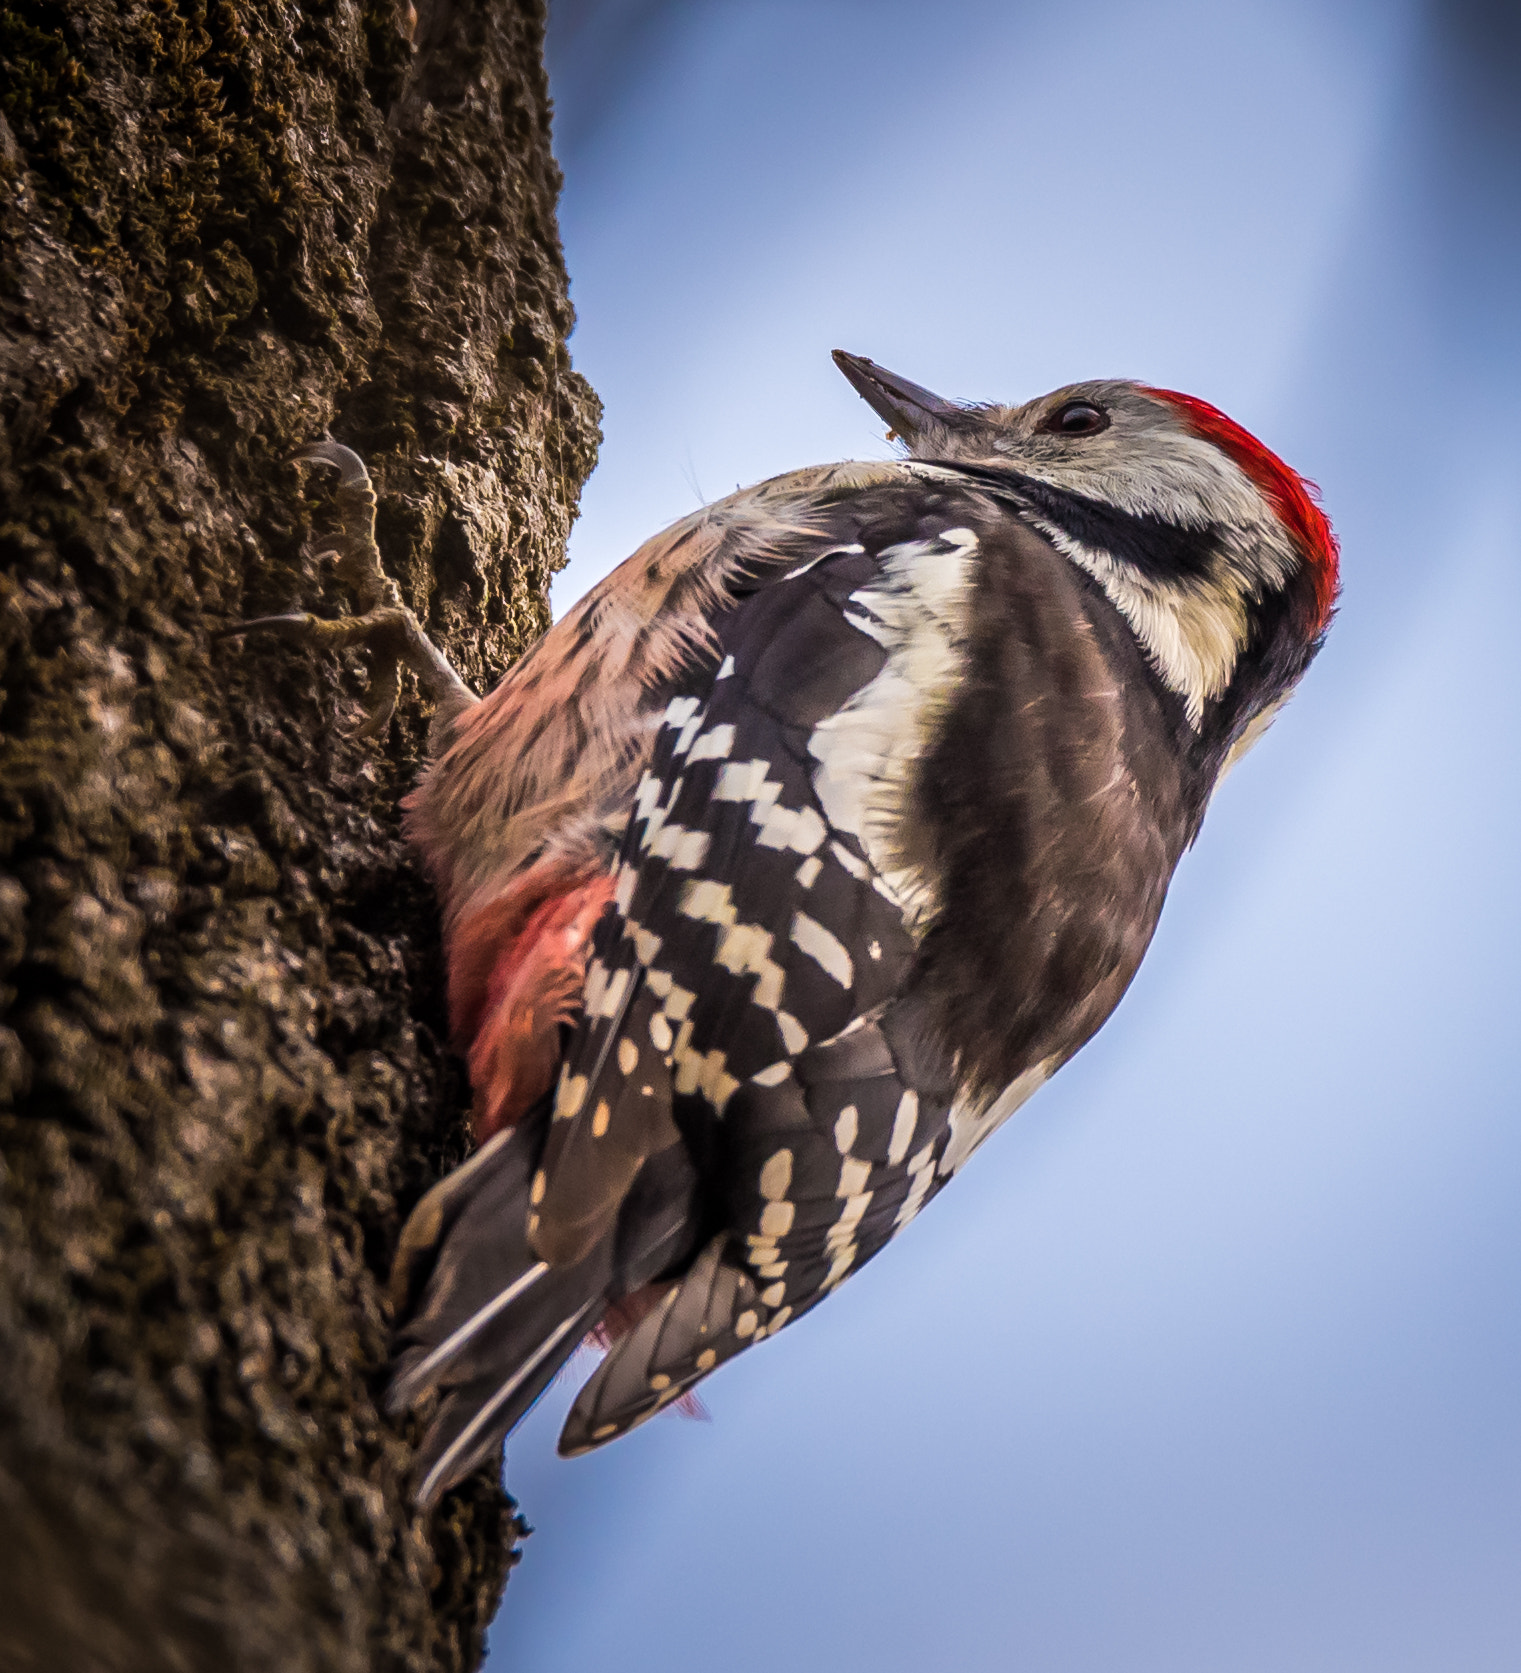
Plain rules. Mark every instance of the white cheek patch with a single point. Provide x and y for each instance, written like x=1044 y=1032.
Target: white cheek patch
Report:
x=1192 y=629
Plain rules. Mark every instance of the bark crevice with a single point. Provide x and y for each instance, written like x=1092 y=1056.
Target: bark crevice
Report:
x=227 y=229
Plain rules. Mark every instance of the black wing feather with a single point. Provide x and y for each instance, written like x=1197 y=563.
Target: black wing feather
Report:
x=781 y=965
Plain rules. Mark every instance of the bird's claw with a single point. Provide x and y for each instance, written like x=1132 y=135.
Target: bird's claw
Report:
x=358 y=557
x=384 y=625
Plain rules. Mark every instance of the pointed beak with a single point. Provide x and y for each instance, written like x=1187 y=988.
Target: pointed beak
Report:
x=905 y=406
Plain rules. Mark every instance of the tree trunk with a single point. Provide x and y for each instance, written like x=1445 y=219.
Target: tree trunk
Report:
x=230 y=225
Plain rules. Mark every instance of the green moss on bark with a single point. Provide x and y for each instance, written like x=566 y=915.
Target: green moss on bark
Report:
x=227 y=228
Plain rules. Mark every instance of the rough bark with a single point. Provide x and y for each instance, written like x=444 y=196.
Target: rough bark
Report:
x=230 y=226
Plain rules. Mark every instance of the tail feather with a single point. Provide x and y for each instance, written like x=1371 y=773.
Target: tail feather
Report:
x=420 y=1375
x=487 y=1323
x=474 y=1418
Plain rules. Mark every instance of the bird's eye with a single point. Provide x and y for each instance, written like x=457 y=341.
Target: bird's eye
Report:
x=1077 y=418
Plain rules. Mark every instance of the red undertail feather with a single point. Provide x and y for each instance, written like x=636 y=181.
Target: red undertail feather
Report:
x=516 y=970
x=1291 y=496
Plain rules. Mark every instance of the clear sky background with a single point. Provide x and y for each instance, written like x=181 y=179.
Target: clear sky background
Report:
x=1211 y=1361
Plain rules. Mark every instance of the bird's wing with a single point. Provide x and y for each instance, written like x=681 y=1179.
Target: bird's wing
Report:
x=747 y=991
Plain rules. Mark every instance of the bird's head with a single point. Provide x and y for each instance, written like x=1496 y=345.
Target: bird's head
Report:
x=1212 y=548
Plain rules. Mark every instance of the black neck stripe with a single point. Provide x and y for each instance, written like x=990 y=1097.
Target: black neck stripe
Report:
x=1153 y=546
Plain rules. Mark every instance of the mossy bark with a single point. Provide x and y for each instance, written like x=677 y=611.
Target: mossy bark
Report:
x=230 y=226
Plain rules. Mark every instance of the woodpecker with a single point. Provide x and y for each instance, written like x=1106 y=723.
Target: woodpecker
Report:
x=786 y=866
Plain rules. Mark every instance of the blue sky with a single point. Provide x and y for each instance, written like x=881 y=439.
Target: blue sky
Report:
x=1211 y=1362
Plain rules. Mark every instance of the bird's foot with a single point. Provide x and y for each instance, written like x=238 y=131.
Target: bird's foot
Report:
x=383 y=624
